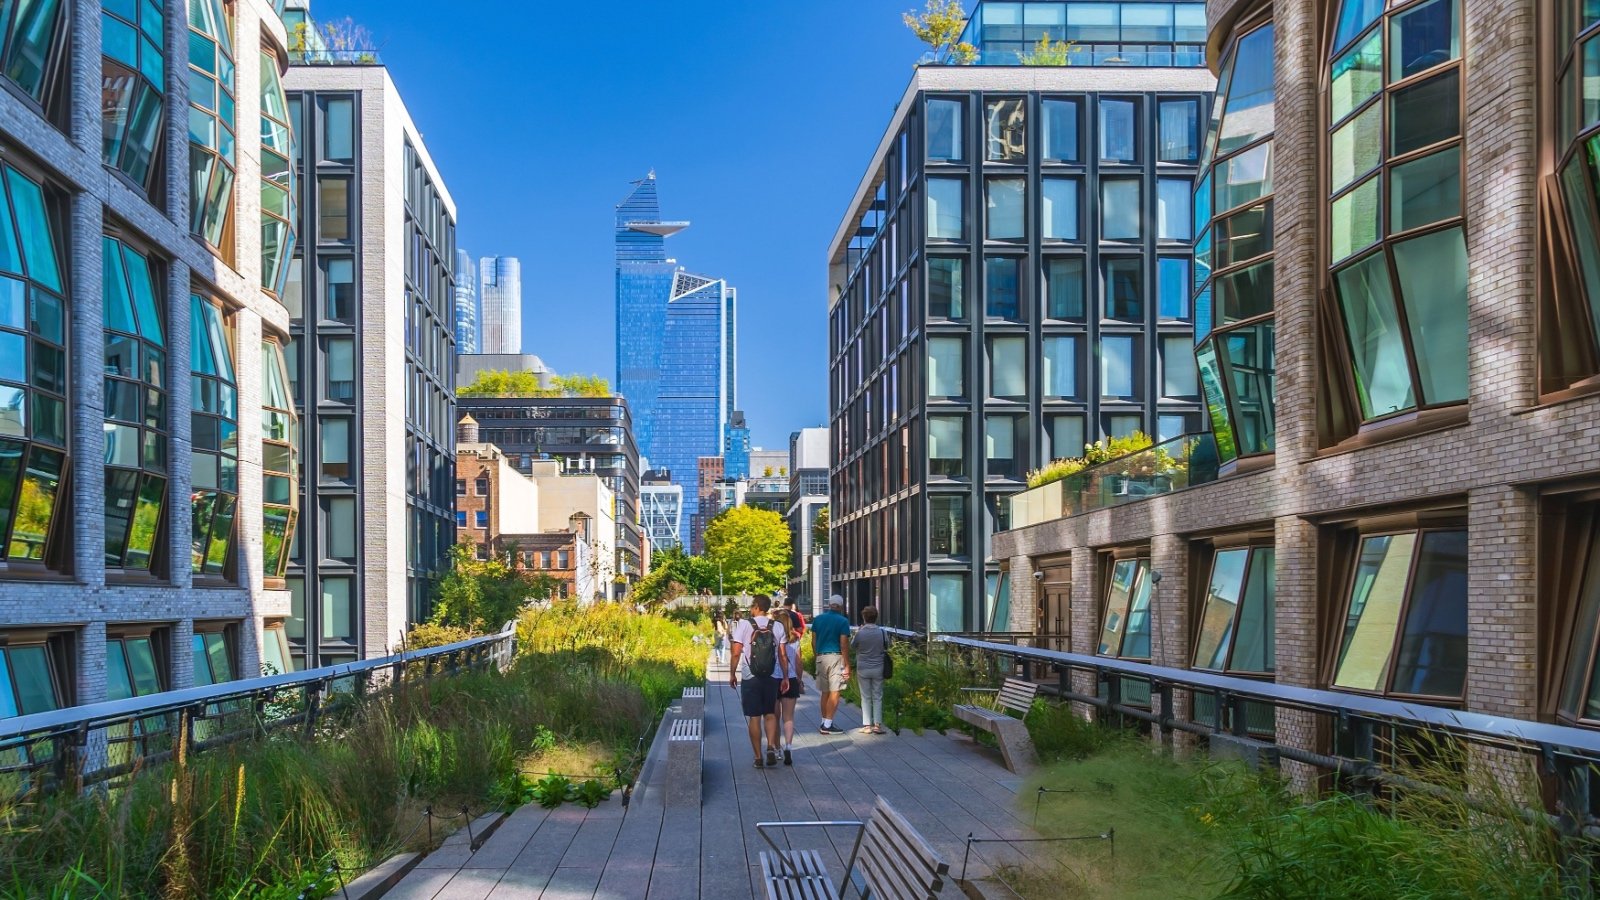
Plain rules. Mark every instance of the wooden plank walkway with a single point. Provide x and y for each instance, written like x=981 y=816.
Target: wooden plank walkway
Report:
x=947 y=787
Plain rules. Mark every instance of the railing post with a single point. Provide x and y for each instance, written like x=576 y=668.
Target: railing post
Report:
x=1577 y=866
x=1219 y=711
x=1163 y=689
x=1113 y=685
x=313 y=706
x=1241 y=717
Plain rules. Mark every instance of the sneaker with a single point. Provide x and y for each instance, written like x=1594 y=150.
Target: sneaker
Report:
x=758 y=762
x=788 y=758
x=831 y=729
x=772 y=758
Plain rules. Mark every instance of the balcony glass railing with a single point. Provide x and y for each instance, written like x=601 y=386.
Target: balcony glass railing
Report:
x=1166 y=467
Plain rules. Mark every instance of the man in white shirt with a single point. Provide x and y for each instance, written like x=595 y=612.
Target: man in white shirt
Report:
x=759 y=640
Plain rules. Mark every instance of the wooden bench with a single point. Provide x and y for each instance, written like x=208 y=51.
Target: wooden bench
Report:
x=1016 y=747
x=896 y=863
x=694 y=702
x=684 y=745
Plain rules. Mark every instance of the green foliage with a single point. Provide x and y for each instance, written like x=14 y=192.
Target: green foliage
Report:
x=819 y=529
x=1094 y=454
x=544 y=740
x=1059 y=734
x=502 y=383
x=940 y=26
x=426 y=636
x=672 y=574
x=592 y=793
x=752 y=548
x=480 y=596
x=927 y=684
x=553 y=790
x=1049 y=53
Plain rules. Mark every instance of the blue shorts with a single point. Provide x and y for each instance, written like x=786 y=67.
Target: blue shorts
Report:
x=759 y=696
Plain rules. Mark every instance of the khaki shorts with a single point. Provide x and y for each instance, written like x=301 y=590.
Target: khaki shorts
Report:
x=830 y=673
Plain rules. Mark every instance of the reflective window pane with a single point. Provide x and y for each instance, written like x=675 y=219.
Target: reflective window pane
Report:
x=1425 y=113
x=1178 y=375
x=1374 y=615
x=947 y=436
x=1179 y=131
x=338 y=621
x=1124 y=287
x=1432 y=657
x=1356 y=147
x=1425 y=190
x=1059 y=209
x=1118 y=131
x=1353 y=220
x=1064 y=287
x=1423 y=37
x=1006 y=130
x=1218 y=611
x=1173 y=197
x=1173 y=283
x=946 y=367
x=1120 y=209
x=1060 y=130
x=1357 y=75
x=1117 y=368
x=1002 y=288
x=1249 y=111
x=946 y=214
x=1377 y=347
x=944 y=131
x=1243 y=178
x=1007 y=209
x=947 y=520
x=1060 y=362
x=1432 y=271
x=1008 y=367
x=947 y=288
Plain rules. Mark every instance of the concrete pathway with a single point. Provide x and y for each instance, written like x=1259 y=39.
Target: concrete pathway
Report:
x=948 y=787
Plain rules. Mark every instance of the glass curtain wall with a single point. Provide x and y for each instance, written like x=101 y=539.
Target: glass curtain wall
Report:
x=211 y=122
x=1233 y=303
x=136 y=422
x=277 y=180
x=1570 y=342
x=133 y=88
x=280 y=447
x=33 y=368
x=1405 y=630
x=214 y=436
x=30 y=48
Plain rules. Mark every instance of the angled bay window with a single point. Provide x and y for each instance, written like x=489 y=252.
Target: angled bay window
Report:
x=211 y=122
x=1396 y=237
x=33 y=370
x=1405 y=624
x=1125 y=612
x=136 y=422
x=1236 y=625
x=1569 y=345
x=1232 y=269
x=214 y=436
x=277 y=180
x=280 y=476
x=32 y=676
x=133 y=87
x=32 y=48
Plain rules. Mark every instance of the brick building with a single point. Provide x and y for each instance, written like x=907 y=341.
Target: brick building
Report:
x=1397 y=492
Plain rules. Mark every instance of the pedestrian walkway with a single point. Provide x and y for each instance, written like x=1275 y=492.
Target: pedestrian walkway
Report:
x=947 y=787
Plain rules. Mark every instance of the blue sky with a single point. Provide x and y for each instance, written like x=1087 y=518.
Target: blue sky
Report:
x=759 y=118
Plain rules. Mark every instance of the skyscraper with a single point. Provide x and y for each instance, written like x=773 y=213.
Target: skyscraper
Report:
x=676 y=337
x=500 y=295
x=466 y=305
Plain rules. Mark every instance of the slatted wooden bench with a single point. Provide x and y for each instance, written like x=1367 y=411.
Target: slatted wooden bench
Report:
x=896 y=862
x=1016 y=747
x=684 y=745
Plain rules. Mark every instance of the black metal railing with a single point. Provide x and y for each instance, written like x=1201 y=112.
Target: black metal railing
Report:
x=80 y=746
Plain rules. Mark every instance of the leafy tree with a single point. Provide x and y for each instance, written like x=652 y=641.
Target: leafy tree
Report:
x=482 y=595
x=1049 y=53
x=819 y=530
x=940 y=27
x=752 y=546
x=503 y=383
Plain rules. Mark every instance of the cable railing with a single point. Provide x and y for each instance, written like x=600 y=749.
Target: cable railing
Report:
x=83 y=746
x=1365 y=735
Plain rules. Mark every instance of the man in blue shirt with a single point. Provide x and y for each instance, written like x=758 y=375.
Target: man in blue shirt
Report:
x=830 y=643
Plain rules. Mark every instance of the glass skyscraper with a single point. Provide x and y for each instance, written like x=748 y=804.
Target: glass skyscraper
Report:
x=466 y=305
x=676 y=334
x=500 y=293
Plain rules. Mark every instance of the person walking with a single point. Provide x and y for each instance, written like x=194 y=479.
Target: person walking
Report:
x=788 y=698
x=871 y=643
x=830 y=643
x=722 y=640
x=759 y=676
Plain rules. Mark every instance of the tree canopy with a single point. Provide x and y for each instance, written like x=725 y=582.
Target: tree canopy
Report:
x=819 y=530
x=482 y=595
x=752 y=546
x=503 y=383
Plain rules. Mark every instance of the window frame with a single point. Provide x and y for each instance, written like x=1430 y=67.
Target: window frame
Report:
x=1255 y=549
x=1141 y=560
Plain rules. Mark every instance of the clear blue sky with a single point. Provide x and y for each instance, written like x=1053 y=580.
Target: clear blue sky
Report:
x=759 y=118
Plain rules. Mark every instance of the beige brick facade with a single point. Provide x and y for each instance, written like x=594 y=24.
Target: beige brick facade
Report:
x=1507 y=449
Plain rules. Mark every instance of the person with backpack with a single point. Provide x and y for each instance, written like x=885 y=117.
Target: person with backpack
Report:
x=760 y=675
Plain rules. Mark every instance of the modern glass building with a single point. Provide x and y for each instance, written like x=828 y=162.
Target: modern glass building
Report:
x=372 y=366
x=736 y=448
x=1012 y=280
x=1397 y=296
x=676 y=347
x=467 y=312
x=500 y=297
x=661 y=510
x=592 y=435
x=147 y=459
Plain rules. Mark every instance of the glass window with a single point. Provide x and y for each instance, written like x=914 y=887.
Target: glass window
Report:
x=947 y=518
x=1121 y=425
x=1007 y=209
x=1237 y=620
x=278 y=188
x=213 y=658
x=339 y=288
x=32 y=51
x=341 y=369
x=1179 y=131
x=1064 y=288
x=1423 y=37
x=947 y=441
x=1059 y=209
x=1002 y=438
x=1060 y=130
x=944 y=131
x=1357 y=75
x=1120 y=209
x=1357 y=147
x=1172 y=427
x=1248 y=112
x=1008 y=367
x=1406 y=627
x=1066 y=436
x=1353 y=220
x=1118 y=131
x=946 y=215
x=481 y=519
x=1432 y=271
x=338 y=621
x=1060 y=377
x=1425 y=113
x=341 y=528
x=1372 y=325
x=947 y=602
x=335 y=448
x=946 y=367
x=333 y=207
x=1173 y=199
x=1002 y=292
x=947 y=289
x=1425 y=190
x=28 y=683
x=280 y=475
x=1125 y=623
x=1124 y=285
x=1007 y=135
x=1117 y=367
x=1173 y=283
x=1243 y=178
x=1178 y=376
x=338 y=129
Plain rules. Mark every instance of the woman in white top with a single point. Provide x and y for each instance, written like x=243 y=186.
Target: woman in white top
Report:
x=788 y=699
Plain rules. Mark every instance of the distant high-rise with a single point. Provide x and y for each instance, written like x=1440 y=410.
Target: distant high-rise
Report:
x=676 y=337
x=466 y=305
x=736 y=447
x=500 y=294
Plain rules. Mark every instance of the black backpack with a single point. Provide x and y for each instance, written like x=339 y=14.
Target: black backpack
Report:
x=763 y=651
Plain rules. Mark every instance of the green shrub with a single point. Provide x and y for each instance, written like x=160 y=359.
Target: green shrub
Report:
x=1060 y=734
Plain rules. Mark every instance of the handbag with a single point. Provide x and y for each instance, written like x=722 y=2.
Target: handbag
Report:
x=888 y=659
